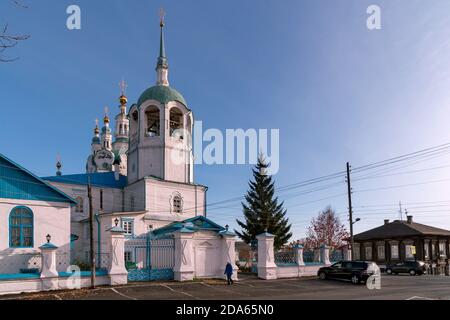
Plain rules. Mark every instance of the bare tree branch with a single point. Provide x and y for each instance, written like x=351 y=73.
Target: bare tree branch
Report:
x=7 y=40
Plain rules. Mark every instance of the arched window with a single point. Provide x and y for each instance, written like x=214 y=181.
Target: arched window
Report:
x=177 y=204
x=176 y=121
x=153 y=123
x=80 y=204
x=21 y=228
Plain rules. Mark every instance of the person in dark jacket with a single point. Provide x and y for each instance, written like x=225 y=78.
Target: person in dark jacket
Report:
x=229 y=273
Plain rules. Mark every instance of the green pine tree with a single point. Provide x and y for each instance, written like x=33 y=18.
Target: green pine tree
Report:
x=261 y=209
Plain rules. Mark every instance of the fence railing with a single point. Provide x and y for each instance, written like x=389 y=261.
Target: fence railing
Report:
x=285 y=257
x=102 y=259
x=336 y=255
x=11 y=263
x=143 y=252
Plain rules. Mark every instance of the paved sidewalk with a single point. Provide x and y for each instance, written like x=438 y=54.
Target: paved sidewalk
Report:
x=250 y=288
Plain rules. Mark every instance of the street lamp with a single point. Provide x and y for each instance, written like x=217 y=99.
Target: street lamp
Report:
x=116 y=221
x=48 y=237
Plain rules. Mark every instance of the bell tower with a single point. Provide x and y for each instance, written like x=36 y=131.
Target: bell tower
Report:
x=161 y=129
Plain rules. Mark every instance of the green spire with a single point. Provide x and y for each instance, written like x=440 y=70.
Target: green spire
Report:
x=162 y=48
x=162 y=59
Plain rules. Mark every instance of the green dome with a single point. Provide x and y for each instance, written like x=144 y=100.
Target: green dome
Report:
x=162 y=94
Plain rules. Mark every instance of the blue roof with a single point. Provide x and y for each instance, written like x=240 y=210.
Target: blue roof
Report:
x=16 y=182
x=98 y=179
x=199 y=223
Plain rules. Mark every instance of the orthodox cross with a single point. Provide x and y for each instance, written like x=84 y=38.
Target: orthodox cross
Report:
x=162 y=14
x=123 y=86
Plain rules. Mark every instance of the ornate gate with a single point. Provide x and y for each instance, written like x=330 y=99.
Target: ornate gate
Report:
x=149 y=258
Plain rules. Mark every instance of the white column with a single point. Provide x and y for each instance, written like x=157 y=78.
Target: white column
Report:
x=118 y=273
x=184 y=268
x=325 y=254
x=299 y=255
x=267 y=268
x=229 y=253
x=49 y=275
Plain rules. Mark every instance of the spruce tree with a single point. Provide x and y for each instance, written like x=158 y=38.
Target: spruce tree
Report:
x=261 y=209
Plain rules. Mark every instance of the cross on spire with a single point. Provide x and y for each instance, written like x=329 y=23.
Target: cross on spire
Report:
x=162 y=14
x=123 y=87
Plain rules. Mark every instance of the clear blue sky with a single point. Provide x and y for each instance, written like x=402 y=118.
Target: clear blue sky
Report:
x=337 y=91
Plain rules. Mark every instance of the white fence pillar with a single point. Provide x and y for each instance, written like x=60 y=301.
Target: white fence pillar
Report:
x=49 y=275
x=184 y=268
x=118 y=273
x=229 y=252
x=325 y=254
x=299 y=254
x=267 y=269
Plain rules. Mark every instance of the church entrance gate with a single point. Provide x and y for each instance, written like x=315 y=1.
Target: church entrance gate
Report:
x=149 y=259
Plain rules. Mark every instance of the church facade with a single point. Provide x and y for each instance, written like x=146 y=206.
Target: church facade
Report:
x=141 y=172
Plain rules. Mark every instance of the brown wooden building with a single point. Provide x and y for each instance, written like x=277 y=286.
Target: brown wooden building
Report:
x=396 y=241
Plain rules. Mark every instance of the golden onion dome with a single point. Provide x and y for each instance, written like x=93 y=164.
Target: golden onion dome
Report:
x=123 y=99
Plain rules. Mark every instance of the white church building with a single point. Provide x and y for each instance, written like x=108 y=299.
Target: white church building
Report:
x=142 y=180
x=142 y=176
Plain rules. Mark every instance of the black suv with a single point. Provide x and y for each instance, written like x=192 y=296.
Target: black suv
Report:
x=411 y=267
x=355 y=271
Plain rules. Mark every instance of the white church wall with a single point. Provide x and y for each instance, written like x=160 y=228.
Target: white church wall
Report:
x=48 y=218
x=135 y=196
x=159 y=198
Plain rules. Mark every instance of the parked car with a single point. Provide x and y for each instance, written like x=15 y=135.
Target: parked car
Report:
x=354 y=271
x=411 y=267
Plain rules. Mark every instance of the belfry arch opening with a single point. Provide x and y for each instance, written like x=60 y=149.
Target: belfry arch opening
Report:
x=176 y=122
x=153 y=121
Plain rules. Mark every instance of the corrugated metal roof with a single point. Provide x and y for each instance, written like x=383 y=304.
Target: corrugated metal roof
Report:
x=98 y=179
x=16 y=182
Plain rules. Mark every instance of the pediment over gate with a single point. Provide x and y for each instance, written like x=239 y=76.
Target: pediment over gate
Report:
x=205 y=244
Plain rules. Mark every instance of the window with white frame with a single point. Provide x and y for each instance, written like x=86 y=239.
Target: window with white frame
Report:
x=127 y=226
x=380 y=251
x=356 y=251
x=426 y=248
x=368 y=252
x=408 y=252
x=394 y=251
x=80 y=205
x=442 y=249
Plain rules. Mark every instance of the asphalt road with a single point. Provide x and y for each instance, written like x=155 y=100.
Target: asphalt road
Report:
x=250 y=288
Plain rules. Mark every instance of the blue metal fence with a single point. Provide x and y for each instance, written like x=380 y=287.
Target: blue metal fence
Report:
x=149 y=259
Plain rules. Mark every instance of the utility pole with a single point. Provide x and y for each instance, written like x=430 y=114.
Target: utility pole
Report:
x=91 y=231
x=350 y=209
x=400 y=211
